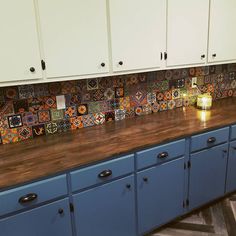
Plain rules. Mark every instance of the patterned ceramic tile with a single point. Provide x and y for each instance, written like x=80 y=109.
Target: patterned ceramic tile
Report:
x=186 y=101
x=160 y=97
x=88 y=120
x=109 y=94
x=82 y=109
x=132 y=80
x=50 y=102
x=124 y=103
x=138 y=111
x=163 y=105
x=167 y=95
x=105 y=106
x=179 y=102
x=105 y=83
x=71 y=112
x=76 y=122
x=139 y=98
x=9 y=136
x=175 y=93
x=57 y=114
x=115 y=104
x=81 y=86
x=147 y=109
x=86 y=97
x=25 y=133
x=15 y=121
x=44 y=116
x=4 y=123
x=21 y=106
x=151 y=98
x=200 y=80
x=130 y=113
x=98 y=95
x=63 y=126
x=171 y=104
x=92 y=84
x=38 y=130
x=6 y=108
x=68 y=87
x=164 y=85
x=110 y=116
x=177 y=74
x=36 y=104
x=51 y=128
x=41 y=90
x=155 y=107
x=169 y=74
x=99 y=118
x=29 y=118
x=119 y=114
x=54 y=88
x=26 y=91
x=94 y=107
x=119 y=92
x=11 y=93
x=118 y=81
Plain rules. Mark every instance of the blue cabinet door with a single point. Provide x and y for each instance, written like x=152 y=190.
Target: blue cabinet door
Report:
x=207 y=175
x=231 y=172
x=49 y=220
x=160 y=193
x=106 y=210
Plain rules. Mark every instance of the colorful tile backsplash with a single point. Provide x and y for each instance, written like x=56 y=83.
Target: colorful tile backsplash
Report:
x=30 y=111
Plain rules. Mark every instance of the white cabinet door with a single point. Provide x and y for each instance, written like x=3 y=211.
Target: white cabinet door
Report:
x=137 y=33
x=74 y=34
x=187 y=32
x=222 y=33
x=19 y=45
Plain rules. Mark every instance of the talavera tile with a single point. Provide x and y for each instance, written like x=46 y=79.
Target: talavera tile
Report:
x=25 y=133
x=9 y=136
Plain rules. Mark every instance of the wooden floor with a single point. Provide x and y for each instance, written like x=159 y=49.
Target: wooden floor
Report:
x=218 y=219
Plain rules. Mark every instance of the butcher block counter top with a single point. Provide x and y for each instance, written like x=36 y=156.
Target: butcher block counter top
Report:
x=49 y=155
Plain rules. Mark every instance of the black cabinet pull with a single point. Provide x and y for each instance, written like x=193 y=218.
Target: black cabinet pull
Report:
x=163 y=155
x=224 y=151
x=105 y=173
x=214 y=55
x=32 y=69
x=234 y=148
x=211 y=140
x=165 y=55
x=128 y=186
x=60 y=211
x=161 y=56
x=28 y=198
x=121 y=63
x=103 y=64
x=203 y=56
x=145 y=179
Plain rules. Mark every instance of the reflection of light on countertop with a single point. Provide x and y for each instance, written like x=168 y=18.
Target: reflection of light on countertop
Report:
x=204 y=116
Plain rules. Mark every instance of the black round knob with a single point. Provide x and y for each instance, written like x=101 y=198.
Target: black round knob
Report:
x=203 y=56
x=60 y=211
x=128 y=186
x=103 y=64
x=145 y=179
x=214 y=55
x=121 y=63
x=32 y=69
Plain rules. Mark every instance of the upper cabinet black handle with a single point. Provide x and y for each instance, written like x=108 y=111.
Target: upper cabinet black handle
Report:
x=234 y=148
x=60 y=211
x=28 y=198
x=203 y=56
x=103 y=64
x=214 y=55
x=105 y=173
x=211 y=140
x=121 y=63
x=163 y=155
x=145 y=179
x=128 y=186
x=32 y=69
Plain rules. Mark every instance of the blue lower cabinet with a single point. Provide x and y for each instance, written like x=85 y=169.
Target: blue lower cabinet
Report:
x=160 y=191
x=207 y=175
x=231 y=173
x=49 y=220
x=106 y=210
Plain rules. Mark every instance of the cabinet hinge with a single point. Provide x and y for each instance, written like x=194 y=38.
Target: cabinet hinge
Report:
x=72 y=207
x=189 y=164
x=187 y=202
x=165 y=55
x=43 y=64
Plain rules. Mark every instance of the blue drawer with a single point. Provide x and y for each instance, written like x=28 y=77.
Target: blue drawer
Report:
x=45 y=190
x=101 y=173
x=209 y=139
x=233 y=132
x=160 y=154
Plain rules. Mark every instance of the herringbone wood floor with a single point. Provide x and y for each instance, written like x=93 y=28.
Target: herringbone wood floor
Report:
x=218 y=219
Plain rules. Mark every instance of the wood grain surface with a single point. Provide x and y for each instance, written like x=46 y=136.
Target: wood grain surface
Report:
x=49 y=155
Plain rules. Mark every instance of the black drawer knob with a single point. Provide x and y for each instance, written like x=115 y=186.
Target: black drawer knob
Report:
x=234 y=148
x=32 y=69
x=145 y=179
x=128 y=186
x=60 y=211
x=225 y=151
x=203 y=56
x=214 y=55
x=121 y=63
x=28 y=198
x=211 y=140
x=105 y=174
x=163 y=155
x=103 y=64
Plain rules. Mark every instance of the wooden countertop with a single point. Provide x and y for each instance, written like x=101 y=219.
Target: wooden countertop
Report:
x=45 y=156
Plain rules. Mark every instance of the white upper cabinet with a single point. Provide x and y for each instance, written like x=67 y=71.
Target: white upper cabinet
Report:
x=138 y=33
x=222 y=33
x=74 y=37
x=19 y=45
x=187 y=32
